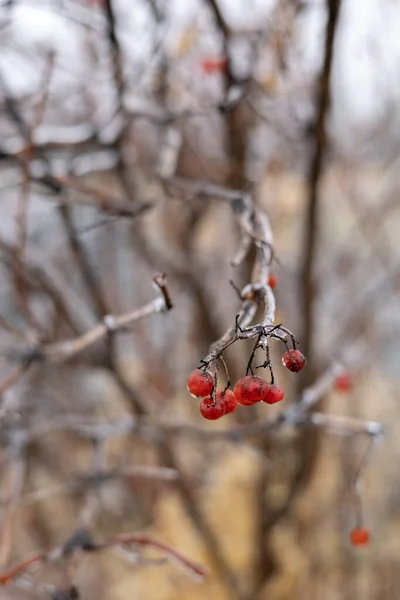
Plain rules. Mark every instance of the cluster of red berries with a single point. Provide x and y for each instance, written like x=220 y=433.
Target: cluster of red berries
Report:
x=247 y=391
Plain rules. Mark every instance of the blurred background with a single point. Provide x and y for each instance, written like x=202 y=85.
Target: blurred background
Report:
x=115 y=116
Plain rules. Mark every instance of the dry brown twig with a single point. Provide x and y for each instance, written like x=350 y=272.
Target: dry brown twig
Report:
x=81 y=542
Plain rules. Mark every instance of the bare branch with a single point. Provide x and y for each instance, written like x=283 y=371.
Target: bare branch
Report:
x=314 y=176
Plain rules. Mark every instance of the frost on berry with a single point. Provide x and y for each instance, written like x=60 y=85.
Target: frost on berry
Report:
x=250 y=389
x=229 y=401
x=359 y=536
x=275 y=394
x=294 y=360
x=200 y=383
x=212 y=409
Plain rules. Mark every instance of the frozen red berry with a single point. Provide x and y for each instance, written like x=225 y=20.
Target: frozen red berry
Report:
x=229 y=401
x=250 y=389
x=294 y=360
x=212 y=409
x=342 y=383
x=200 y=383
x=360 y=536
x=275 y=394
x=272 y=280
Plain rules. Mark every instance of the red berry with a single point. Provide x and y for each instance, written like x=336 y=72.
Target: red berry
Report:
x=342 y=383
x=275 y=394
x=294 y=360
x=211 y=65
x=212 y=410
x=250 y=389
x=200 y=383
x=359 y=536
x=272 y=280
x=229 y=401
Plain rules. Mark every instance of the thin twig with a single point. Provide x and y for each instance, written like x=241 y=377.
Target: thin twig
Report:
x=66 y=349
x=83 y=542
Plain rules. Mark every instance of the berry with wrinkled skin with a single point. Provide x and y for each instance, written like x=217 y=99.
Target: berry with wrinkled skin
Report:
x=200 y=383
x=342 y=383
x=275 y=394
x=250 y=389
x=294 y=360
x=212 y=410
x=272 y=280
x=359 y=536
x=229 y=401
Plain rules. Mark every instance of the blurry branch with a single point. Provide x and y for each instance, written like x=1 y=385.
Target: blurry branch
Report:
x=367 y=218
x=92 y=502
x=290 y=130
x=226 y=37
x=169 y=155
x=345 y=425
x=123 y=166
x=219 y=19
x=44 y=90
x=235 y=118
x=76 y=246
x=93 y=196
x=81 y=15
x=86 y=162
x=90 y=195
x=81 y=542
x=368 y=302
x=116 y=50
x=11 y=489
x=61 y=351
x=87 y=428
x=81 y=257
x=156 y=11
x=12 y=110
x=307 y=442
x=252 y=220
x=208 y=537
x=40 y=275
x=98 y=478
x=15 y=376
x=319 y=149
x=369 y=224
x=12 y=330
x=21 y=219
x=189 y=277
x=27 y=132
